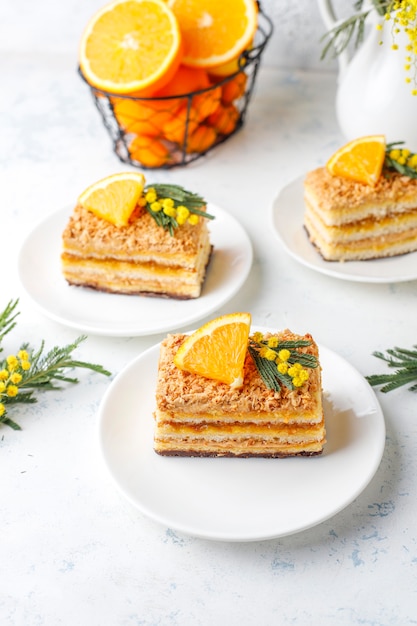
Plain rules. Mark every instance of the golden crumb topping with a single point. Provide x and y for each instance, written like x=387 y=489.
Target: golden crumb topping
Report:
x=334 y=192
x=141 y=234
x=191 y=393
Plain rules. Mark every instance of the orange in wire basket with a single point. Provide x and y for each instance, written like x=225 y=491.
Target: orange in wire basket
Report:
x=224 y=119
x=218 y=349
x=201 y=139
x=135 y=116
x=215 y=31
x=149 y=151
x=131 y=46
x=234 y=88
x=360 y=160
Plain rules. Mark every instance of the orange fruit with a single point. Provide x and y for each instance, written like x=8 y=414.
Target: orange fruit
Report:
x=201 y=139
x=218 y=349
x=139 y=118
x=177 y=129
x=185 y=81
x=131 y=46
x=114 y=198
x=234 y=88
x=224 y=119
x=204 y=104
x=360 y=160
x=149 y=151
x=215 y=32
x=227 y=69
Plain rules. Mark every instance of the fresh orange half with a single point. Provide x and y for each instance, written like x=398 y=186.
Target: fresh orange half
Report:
x=360 y=160
x=114 y=198
x=215 y=32
x=131 y=46
x=217 y=350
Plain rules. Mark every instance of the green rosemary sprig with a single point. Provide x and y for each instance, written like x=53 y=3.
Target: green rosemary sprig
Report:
x=7 y=320
x=405 y=364
x=30 y=370
x=279 y=363
x=352 y=28
x=393 y=164
x=173 y=214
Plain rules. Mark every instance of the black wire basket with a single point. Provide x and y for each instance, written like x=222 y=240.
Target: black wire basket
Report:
x=161 y=133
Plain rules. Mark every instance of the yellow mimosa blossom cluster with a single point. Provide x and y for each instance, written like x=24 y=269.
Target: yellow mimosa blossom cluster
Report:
x=403 y=15
x=404 y=157
x=11 y=376
x=156 y=204
x=285 y=361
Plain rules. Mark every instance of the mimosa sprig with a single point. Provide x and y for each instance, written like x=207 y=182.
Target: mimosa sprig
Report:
x=400 y=159
x=404 y=362
x=29 y=370
x=402 y=16
x=172 y=206
x=280 y=363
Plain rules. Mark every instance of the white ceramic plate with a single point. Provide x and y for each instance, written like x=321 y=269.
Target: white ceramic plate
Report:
x=122 y=315
x=234 y=499
x=287 y=219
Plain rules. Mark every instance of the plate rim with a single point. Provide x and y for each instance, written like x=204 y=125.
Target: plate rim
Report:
x=319 y=265
x=216 y=536
x=136 y=331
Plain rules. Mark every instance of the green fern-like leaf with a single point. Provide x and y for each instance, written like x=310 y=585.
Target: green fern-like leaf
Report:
x=404 y=362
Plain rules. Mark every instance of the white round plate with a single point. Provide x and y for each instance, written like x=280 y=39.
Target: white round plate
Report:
x=233 y=499
x=126 y=315
x=287 y=220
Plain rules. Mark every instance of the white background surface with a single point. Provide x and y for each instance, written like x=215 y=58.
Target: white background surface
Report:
x=72 y=550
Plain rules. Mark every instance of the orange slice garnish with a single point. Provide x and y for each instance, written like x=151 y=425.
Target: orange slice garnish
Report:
x=360 y=160
x=218 y=349
x=115 y=197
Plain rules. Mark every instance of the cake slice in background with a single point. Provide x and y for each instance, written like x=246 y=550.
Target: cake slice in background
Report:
x=156 y=247
x=358 y=209
x=350 y=221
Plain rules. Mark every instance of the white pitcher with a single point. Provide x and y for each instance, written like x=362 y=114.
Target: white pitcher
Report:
x=372 y=96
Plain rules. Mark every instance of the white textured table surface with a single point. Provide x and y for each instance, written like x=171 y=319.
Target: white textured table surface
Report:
x=73 y=551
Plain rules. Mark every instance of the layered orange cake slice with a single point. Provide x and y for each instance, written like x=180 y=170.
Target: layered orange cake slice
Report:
x=161 y=248
x=349 y=220
x=198 y=416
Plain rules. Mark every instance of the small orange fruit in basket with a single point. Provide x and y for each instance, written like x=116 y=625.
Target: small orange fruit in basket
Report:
x=224 y=119
x=227 y=69
x=142 y=119
x=118 y=51
x=207 y=102
x=201 y=139
x=360 y=160
x=218 y=349
x=177 y=128
x=114 y=198
x=215 y=32
x=234 y=88
x=148 y=151
x=185 y=80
